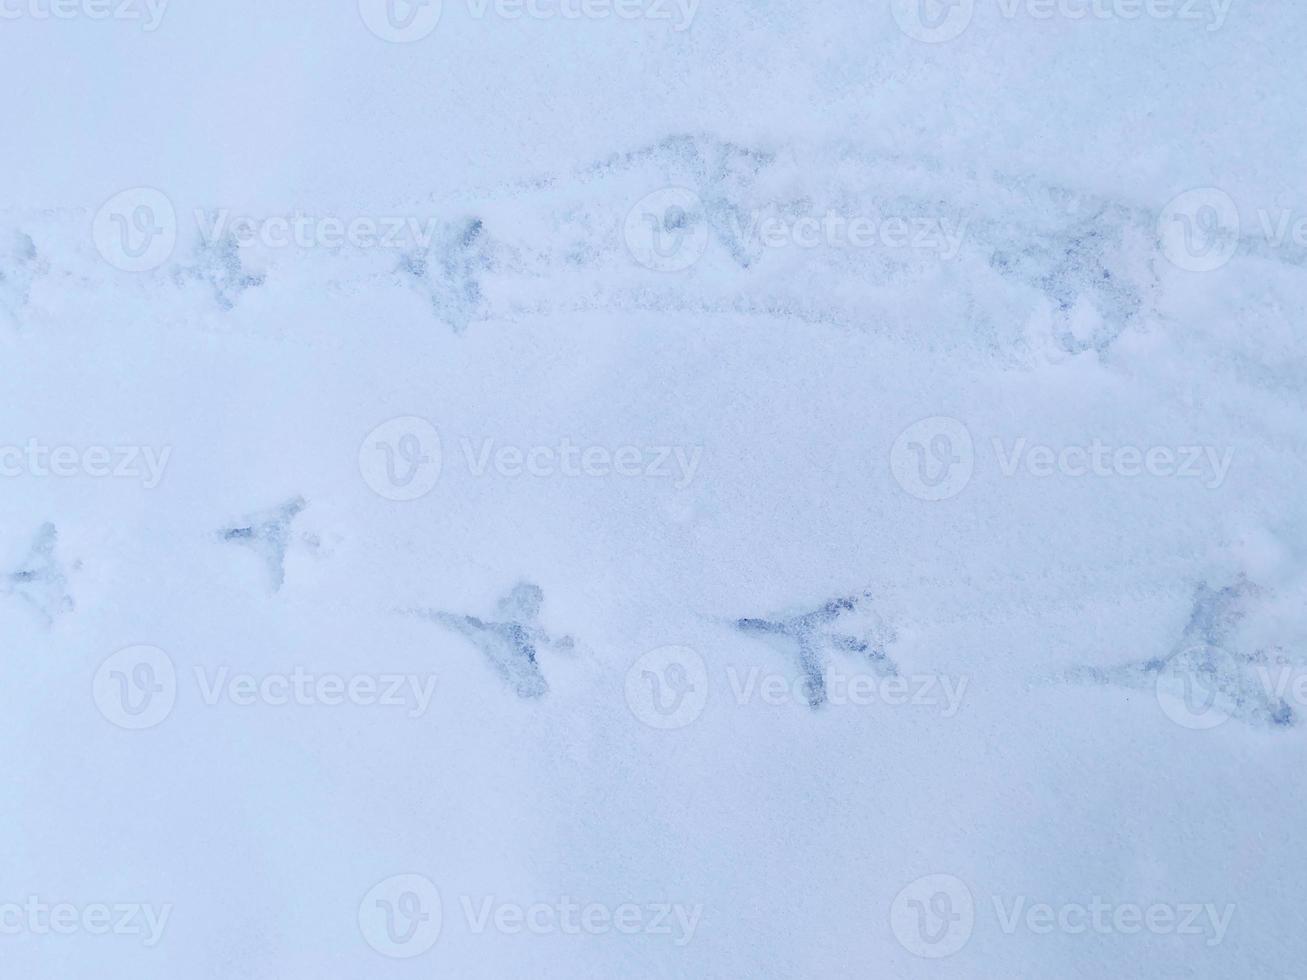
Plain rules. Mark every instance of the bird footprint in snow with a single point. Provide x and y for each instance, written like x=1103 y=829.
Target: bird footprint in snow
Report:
x=510 y=640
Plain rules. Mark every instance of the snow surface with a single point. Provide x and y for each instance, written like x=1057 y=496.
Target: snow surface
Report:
x=828 y=660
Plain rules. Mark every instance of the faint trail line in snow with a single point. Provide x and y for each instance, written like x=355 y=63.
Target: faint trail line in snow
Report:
x=1018 y=263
